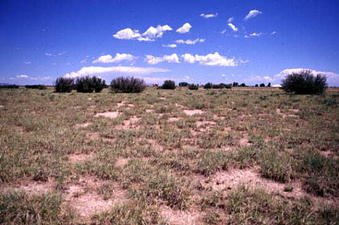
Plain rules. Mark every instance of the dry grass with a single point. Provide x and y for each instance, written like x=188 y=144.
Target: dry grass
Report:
x=239 y=156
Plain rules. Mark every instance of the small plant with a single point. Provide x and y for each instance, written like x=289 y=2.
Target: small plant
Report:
x=64 y=84
x=36 y=86
x=183 y=84
x=288 y=189
x=208 y=86
x=127 y=85
x=304 y=83
x=193 y=87
x=168 y=84
x=89 y=84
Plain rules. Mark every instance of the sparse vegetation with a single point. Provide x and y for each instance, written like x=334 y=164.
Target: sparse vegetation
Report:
x=193 y=86
x=36 y=86
x=128 y=85
x=304 y=83
x=168 y=156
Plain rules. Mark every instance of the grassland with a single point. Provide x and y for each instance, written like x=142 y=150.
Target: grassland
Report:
x=239 y=156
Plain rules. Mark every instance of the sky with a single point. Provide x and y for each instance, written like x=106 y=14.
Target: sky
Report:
x=196 y=41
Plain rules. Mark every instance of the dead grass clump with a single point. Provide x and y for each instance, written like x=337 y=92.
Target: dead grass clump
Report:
x=192 y=112
x=179 y=217
x=110 y=115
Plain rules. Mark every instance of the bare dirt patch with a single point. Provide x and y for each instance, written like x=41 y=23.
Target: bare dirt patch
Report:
x=149 y=110
x=82 y=125
x=284 y=115
x=249 y=177
x=155 y=144
x=34 y=187
x=178 y=217
x=173 y=119
x=79 y=158
x=192 y=112
x=121 y=162
x=110 y=115
x=84 y=199
x=204 y=123
x=244 y=141
x=131 y=123
x=1 y=106
x=93 y=135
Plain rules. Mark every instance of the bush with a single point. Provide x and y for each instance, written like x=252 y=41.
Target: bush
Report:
x=304 y=83
x=128 y=85
x=208 y=86
x=38 y=86
x=9 y=86
x=262 y=85
x=64 y=84
x=235 y=84
x=168 y=84
x=256 y=85
x=269 y=85
x=242 y=85
x=183 y=84
x=89 y=84
x=193 y=86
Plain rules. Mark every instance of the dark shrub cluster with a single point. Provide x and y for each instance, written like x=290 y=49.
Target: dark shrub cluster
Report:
x=36 y=86
x=208 y=85
x=89 y=84
x=168 y=84
x=63 y=84
x=9 y=86
x=262 y=85
x=183 y=84
x=235 y=84
x=217 y=86
x=128 y=85
x=193 y=86
x=304 y=83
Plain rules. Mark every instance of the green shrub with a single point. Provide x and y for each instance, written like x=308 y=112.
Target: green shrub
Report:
x=36 y=86
x=183 y=84
x=235 y=84
x=262 y=85
x=304 y=83
x=89 y=84
x=128 y=85
x=208 y=85
x=64 y=84
x=168 y=84
x=193 y=86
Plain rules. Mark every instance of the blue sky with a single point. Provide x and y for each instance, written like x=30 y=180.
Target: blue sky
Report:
x=195 y=41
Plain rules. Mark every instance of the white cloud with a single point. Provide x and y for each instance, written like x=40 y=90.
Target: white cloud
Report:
x=166 y=58
x=232 y=26
x=156 y=32
x=230 y=20
x=22 y=76
x=118 y=58
x=129 y=70
x=185 y=28
x=48 y=54
x=149 y=35
x=170 y=46
x=214 y=59
x=27 y=62
x=56 y=54
x=223 y=31
x=253 y=35
x=252 y=13
x=273 y=33
x=190 y=42
x=210 y=15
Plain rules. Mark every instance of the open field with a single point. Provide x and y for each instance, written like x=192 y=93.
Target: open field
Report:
x=238 y=156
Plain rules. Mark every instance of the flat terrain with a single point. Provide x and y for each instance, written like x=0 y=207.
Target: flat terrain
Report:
x=239 y=156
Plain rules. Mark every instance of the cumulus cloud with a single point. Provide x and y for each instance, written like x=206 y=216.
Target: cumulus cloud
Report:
x=166 y=58
x=233 y=27
x=170 y=46
x=190 y=42
x=214 y=59
x=230 y=20
x=129 y=70
x=149 y=35
x=185 y=28
x=118 y=58
x=252 y=13
x=210 y=15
